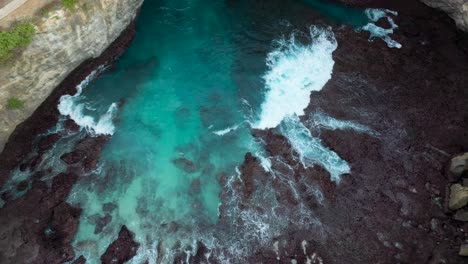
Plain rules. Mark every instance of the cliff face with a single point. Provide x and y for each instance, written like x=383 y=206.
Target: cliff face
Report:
x=456 y=9
x=63 y=40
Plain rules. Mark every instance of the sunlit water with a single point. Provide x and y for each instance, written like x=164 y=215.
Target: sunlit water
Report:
x=180 y=106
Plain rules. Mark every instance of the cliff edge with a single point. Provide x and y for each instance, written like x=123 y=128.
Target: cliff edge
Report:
x=63 y=39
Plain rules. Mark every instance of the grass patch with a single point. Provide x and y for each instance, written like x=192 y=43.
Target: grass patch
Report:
x=20 y=36
x=70 y=4
x=14 y=103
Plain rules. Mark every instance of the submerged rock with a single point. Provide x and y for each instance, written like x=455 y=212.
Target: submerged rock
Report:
x=80 y=260
x=185 y=164
x=458 y=196
x=102 y=222
x=47 y=142
x=122 y=249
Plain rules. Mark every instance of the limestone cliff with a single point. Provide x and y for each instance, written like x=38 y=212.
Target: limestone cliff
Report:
x=63 y=40
x=457 y=9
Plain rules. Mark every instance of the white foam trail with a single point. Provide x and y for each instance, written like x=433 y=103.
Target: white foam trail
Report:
x=378 y=32
x=226 y=131
x=295 y=70
x=69 y=106
x=310 y=149
x=323 y=120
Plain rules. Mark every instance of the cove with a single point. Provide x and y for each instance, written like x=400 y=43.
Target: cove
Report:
x=180 y=106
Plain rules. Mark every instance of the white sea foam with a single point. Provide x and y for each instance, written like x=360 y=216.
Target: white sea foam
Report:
x=378 y=32
x=226 y=130
x=295 y=70
x=320 y=120
x=69 y=105
x=310 y=149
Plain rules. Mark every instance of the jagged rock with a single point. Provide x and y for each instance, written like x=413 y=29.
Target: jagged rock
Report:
x=73 y=157
x=463 y=250
x=80 y=260
x=458 y=196
x=102 y=222
x=459 y=164
x=121 y=250
x=71 y=126
x=461 y=215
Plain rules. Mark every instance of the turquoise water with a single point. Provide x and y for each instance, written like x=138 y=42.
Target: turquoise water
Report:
x=180 y=106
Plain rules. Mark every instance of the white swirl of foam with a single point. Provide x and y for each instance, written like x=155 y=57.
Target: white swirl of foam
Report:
x=295 y=70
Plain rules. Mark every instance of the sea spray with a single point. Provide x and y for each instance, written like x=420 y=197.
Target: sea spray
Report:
x=295 y=70
x=70 y=105
x=311 y=150
x=378 y=32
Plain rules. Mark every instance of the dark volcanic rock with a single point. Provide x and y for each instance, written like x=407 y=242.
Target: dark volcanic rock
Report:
x=80 y=260
x=109 y=207
x=71 y=126
x=86 y=152
x=47 y=142
x=39 y=226
x=185 y=165
x=121 y=250
x=102 y=222
x=414 y=99
x=21 y=140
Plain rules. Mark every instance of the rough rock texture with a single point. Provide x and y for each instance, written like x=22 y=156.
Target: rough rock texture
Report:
x=62 y=42
x=122 y=249
x=39 y=226
x=459 y=165
x=21 y=141
x=389 y=209
x=458 y=196
x=456 y=9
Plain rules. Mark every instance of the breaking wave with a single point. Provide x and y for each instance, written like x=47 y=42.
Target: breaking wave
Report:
x=72 y=106
x=295 y=70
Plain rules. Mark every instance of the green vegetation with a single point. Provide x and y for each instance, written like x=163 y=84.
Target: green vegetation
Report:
x=14 y=103
x=70 y=4
x=20 y=36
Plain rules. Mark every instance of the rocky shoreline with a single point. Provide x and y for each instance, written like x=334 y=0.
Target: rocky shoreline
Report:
x=389 y=209
x=46 y=222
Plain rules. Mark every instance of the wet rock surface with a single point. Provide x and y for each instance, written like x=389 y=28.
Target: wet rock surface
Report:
x=39 y=226
x=389 y=209
x=122 y=249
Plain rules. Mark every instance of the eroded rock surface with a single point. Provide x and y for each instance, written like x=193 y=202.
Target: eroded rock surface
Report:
x=122 y=249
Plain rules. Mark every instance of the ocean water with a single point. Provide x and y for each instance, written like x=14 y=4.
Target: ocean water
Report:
x=180 y=106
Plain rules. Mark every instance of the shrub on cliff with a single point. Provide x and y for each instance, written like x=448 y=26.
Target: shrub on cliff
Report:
x=19 y=36
x=14 y=103
x=70 y=4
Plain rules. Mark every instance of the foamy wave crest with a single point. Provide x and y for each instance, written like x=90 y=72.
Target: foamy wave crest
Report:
x=69 y=106
x=226 y=131
x=295 y=70
x=310 y=149
x=378 y=32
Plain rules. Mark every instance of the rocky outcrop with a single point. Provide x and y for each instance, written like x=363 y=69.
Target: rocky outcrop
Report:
x=62 y=42
x=456 y=9
x=121 y=250
x=458 y=196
